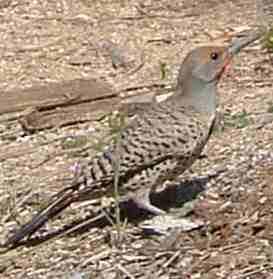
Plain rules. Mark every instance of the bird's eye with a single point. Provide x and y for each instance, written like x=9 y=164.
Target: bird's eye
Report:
x=214 y=55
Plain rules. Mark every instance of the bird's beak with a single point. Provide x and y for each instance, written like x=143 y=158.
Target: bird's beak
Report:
x=240 y=43
x=237 y=45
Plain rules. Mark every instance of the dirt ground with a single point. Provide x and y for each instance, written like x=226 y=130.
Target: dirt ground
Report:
x=137 y=47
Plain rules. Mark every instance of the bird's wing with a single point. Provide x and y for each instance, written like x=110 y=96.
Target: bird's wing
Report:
x=153 y=137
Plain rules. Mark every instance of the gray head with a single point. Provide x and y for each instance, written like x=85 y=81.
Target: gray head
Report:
x=200 y=73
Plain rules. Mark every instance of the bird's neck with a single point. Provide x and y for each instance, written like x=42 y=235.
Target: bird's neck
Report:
x=197 y=94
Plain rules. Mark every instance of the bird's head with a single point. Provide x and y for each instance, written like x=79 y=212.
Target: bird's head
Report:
x=200 y=72
x=205 y=64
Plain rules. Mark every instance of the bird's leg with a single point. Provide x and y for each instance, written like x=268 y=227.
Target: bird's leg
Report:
x=142 y=200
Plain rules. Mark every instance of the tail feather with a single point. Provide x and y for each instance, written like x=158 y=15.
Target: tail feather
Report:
x=63 y=200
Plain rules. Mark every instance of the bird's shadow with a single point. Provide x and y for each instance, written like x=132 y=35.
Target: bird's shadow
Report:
x=173 y=196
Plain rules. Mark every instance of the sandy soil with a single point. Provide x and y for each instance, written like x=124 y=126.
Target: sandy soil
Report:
x=137 y=44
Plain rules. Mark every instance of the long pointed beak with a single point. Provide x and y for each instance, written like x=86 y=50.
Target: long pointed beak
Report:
x=237 y=45
x=240 y=43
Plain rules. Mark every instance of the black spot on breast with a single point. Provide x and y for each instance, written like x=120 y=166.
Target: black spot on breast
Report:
x=166 y=144
x=174 y=143
x=192 y=131
x=181 y=140
x=150 y=156
x=132 y=143
x=160 y=117
x=128 y=158
x=160 y=130
x=179 y=131
x=155 y=143
x=138 y=154
x=142 y=183
x=145 y=146
x=173 y=116
x=157 y=168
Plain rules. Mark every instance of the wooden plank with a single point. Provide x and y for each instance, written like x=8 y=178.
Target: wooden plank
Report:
x=54 y=95
x=58 y=104
x=68 y=115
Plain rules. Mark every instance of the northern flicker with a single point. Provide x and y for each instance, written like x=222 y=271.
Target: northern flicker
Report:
x=158 y=145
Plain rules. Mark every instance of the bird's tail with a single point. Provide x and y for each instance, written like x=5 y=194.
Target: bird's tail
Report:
x=58 y=203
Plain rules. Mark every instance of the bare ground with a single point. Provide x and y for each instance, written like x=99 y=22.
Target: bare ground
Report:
x=45 y=41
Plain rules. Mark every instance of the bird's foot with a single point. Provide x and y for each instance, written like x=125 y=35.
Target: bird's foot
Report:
x=146 y=205
x=142 y=200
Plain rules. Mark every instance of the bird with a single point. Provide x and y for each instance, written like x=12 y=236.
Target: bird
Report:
x=158 y=145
